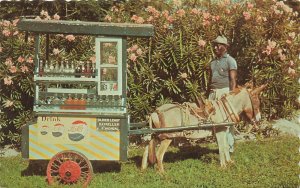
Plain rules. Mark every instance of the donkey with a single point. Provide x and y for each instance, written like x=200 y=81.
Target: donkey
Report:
x=227 y=109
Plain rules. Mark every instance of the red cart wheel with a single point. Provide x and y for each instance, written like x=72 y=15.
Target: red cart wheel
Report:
x=69 y=167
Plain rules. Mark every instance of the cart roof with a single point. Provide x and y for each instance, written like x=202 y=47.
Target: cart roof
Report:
x=86 y=28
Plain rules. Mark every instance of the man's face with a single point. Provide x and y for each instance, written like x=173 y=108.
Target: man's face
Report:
x=219 y=49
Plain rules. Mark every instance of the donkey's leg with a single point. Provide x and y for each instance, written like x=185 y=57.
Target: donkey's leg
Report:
x=145 y=158
x=221 y=138
x=160 y=154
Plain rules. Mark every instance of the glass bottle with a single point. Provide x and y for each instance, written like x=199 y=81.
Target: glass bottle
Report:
x=75 y=102
x=88 y=70
x=51 y=69
x=93 y=71
x=108 y=103
x=56 y=70
x=56 y=101
x=120 y=103
x=41 y=68
x=96 y=103
x=46 y=69
x=83 y=71
x=62 y=69
x=68 y=102
x=77 y=71
x=82 y=103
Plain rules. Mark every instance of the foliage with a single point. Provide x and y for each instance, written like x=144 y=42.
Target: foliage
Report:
x=173 y=63
x=265 y=163
x=168 y=67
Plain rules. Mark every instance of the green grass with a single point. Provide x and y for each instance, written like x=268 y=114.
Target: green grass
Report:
x=258 y=164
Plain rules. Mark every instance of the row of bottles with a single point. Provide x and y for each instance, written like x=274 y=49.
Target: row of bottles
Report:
x=82 y=102
x=67 y=69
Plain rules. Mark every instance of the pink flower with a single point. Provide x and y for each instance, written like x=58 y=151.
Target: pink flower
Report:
x=108 y=18
x=114 y=9
x=5 y=23
x=206 y=15
x=93 y=59
x=184 y=75
x=29 y=60
x=21 y=59
x=134 y=47
x=288 y=41
x=15 y=33
x=70 y=38
x=271 y=44
x=139 y=51
x=140 y=20
x=150 y=19
x=8 y=80
x=201 y=43
x=24 y=68
x=56 y=51
x=246 y=15
x=170 y=19
x=291 y=71
x=6 y=32
x=282 y=57
x=132 y=57
x=13 y=69
x=292 y=63
x=292 y=35
x=44 y=13
x=1 y=49
x=153 y=11
x=111 y=59
x=195 y=11
x=264 y=19
x=180 y=12
x=8 y=103
x=56 y=17
x=104 y=71
x=250 y=5
x=8 y=62
x=270 y=47
x=134 y=17
x=206 y=23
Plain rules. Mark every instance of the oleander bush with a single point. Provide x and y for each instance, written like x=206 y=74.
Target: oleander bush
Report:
x=170 y=66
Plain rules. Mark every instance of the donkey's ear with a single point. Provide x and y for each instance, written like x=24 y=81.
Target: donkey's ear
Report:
x=259 y=89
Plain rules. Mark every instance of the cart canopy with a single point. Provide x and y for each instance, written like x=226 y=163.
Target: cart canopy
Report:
x=86 y=28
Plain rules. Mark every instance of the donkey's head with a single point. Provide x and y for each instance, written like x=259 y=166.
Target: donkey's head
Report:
x=253 y=111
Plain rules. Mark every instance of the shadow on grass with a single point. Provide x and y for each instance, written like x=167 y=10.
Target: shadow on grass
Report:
x=204 y=154
x=39 y=167
x=35 y=168
x=106 y=166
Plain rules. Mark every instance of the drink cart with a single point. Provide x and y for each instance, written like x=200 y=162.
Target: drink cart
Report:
x=80 y=106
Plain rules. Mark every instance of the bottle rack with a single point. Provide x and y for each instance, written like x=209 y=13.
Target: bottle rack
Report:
x=73 y=90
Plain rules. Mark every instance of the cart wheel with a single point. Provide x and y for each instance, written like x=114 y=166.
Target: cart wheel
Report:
x=69 y=167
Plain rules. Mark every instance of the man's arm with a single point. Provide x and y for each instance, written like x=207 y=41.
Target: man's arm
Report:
x=232 y=79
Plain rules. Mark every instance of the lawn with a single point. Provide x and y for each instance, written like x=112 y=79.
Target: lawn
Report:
x=271 y=162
